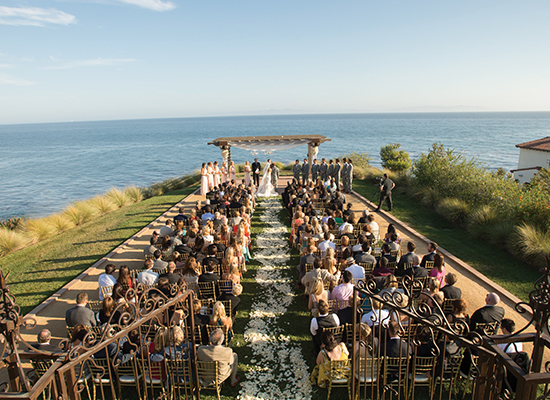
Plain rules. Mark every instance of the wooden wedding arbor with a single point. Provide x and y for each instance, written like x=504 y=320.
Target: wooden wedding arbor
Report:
x=269 y=144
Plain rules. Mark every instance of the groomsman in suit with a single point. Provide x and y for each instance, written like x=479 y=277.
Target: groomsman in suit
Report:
x=305 y=171
x=330 y=170
x=256 y=168
x=274 y=175
x=345 y=174
x=350 y=176
x=314 y=170
x=336 y=173
x=296 y=169
x=323 y=170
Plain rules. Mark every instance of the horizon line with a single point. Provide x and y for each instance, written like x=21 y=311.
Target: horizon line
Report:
x=275 y=115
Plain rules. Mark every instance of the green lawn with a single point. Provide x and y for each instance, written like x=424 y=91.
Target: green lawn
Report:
x=498 y=265
x=40 y=270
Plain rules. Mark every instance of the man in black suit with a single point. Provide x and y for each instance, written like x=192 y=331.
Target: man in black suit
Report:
x=171 y=275
x=305 y=171
x=336 y=173
x=256 y=169
x=386 y=186
x=80 y=314
x=309 y=258
x=386 y=254
x=211 y=257
x=491 y=312
x=330 y=170
x=395 y=346
x=407 y=258
x=210 y=275
x=416 y=271
x=432 y=248
x=450 y=291
x=314 y=170
x=44 y=339
x=183 y=248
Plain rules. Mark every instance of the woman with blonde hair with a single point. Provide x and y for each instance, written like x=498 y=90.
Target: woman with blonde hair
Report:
x=224 y=234
x=219 y=318
x=330 y=261
x=206 y=234
x=232 y=172
x=234 y=274
x=433 y=291
x=223 y=172
x=318 y=293
x=228 y=259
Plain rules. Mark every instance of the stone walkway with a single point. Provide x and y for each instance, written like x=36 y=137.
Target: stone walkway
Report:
x=51 y=313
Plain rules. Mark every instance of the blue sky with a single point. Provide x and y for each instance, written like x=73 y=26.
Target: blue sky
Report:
x=123 y=59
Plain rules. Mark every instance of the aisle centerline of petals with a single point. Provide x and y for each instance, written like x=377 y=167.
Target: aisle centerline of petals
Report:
x=278 y=368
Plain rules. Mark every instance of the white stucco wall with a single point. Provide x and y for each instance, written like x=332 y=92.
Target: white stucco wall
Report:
x=531 y=158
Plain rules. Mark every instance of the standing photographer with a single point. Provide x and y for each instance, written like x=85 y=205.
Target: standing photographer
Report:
x=386 y=186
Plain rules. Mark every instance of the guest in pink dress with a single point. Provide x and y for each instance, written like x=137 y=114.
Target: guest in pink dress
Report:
x=438 y=270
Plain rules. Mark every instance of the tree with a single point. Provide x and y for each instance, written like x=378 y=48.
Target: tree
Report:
x=395 y=159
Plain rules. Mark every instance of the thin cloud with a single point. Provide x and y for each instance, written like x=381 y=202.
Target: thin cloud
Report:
x=156 y=5
x=96 y=62
x=34 y=16
x=6 y=79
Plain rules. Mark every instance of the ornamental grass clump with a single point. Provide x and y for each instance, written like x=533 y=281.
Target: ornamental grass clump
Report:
x=118 y=197
x=60 y=222
x=481 y=221
x=134 y=193
x=103 y=204
x=11 y=240
x=80 y=212
x=38 y=229
x=532 y=244
x=454 y=209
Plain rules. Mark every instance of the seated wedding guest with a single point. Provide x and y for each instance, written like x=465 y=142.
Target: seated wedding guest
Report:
x=327 y=243
x=343 y=291
x=386 y=253
x=183 y=248
x=44 y=342
x=107 y=279
x=329 y=262
x=364 y=256
x=172 y=277
x=416 y=271
x=226 y=358
x=391 y=286
x=318 y=324
x=392 y=242
x=150 y=249
x=108 y=311
x=233 y=297
x=80 y=314
x=166 y=246
x=432 y=248
x=181 y=216
x=508 y=326
x=364 y=217
x=395 y=346
x=366 y=231
x=434 y=292
x=407 y=258
x=491 y=312
x=309 y=258
x=158 y=263
x=317 y=293
x=357 y=271
x=377 y=315
x=167 y=229
x=233 y=275
x=210 y=274
x=459 y=312
x=318 y=273
x=148 y=276
x=366 y=363
x=438 y=271
x=219 y=318
x=382 y=268
x=220 y=247
x=191 y=270
x=375 y=228
x=450 y=291
x=331 y=351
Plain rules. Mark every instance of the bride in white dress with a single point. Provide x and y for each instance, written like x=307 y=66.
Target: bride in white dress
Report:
x=266 y=189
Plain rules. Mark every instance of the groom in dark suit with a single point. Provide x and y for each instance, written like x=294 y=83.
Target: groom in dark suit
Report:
x=256 y=168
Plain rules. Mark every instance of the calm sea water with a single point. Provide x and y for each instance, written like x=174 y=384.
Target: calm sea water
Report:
x=46 y=166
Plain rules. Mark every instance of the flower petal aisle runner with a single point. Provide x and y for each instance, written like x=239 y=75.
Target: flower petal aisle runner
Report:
x=277 y=367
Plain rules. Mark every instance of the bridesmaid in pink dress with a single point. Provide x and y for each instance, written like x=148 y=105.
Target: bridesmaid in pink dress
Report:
x=204 y=180
x=223 y=171
x=210 y=172
x=216 y=174
x=247 y=170
x=232 y=172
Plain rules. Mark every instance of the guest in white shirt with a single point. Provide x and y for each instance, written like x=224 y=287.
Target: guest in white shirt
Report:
x=508 y=327
x=357 y=271
x=326 y=244
x=106 y=279
x=148 y=277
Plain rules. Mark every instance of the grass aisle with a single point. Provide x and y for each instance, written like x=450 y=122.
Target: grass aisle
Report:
x=273 y=361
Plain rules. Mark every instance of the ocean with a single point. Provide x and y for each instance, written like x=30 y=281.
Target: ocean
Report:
x=44 y=167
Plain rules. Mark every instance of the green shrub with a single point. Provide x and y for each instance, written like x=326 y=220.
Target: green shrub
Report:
x=533 y=206
x=394 y=158
x=11 y=223
x=11 y=240
x=288 y=167
x=118 y=197
x=429 y=197
x=453 y=209
x=481 y=221
x=38 y=229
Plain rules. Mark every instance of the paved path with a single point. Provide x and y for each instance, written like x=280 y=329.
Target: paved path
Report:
x=51 y=314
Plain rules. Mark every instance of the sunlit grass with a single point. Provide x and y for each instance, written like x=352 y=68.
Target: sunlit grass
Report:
x=118 y=197
x=11 y=240
x=38 y=229
x=103 y=204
